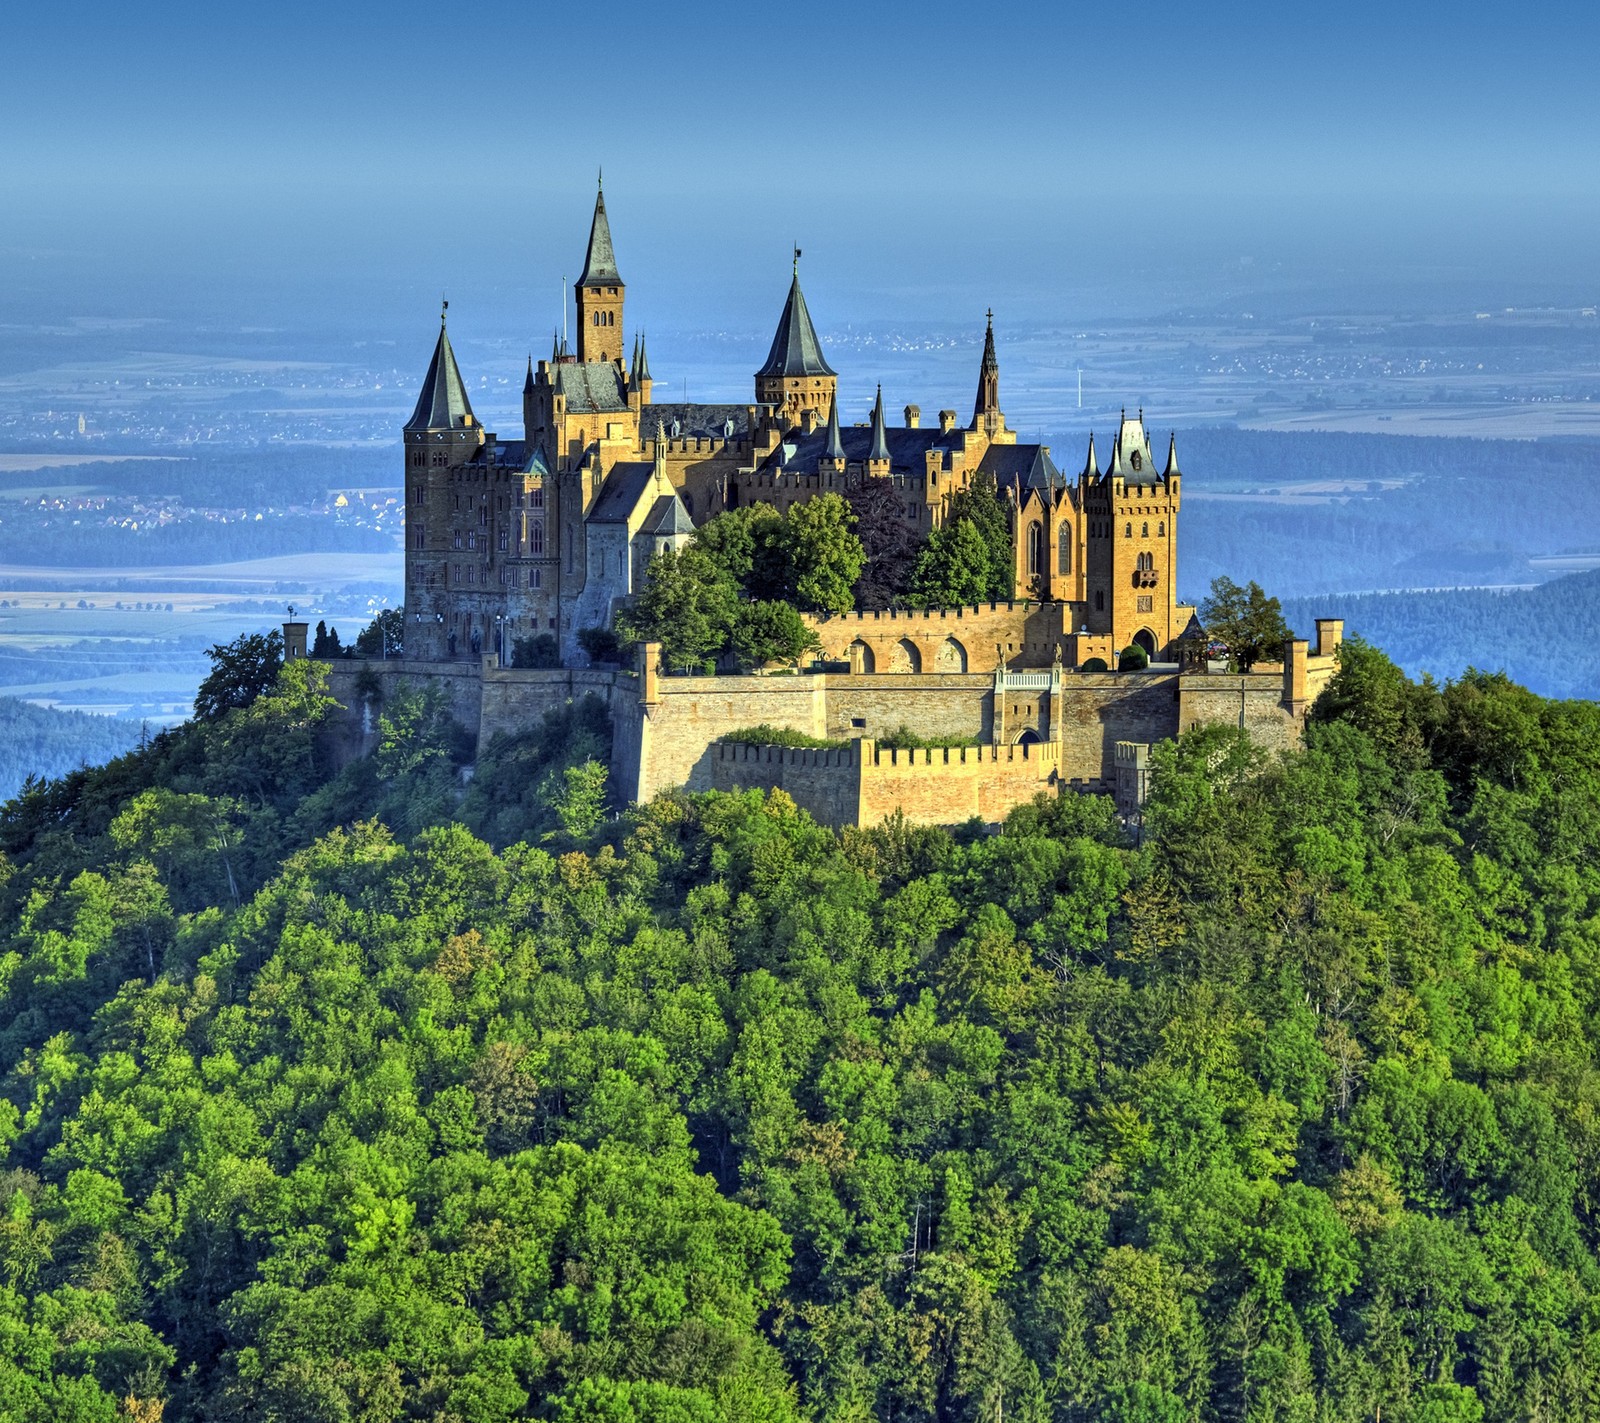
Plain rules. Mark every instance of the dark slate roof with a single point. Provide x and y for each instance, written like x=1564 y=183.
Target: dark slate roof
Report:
x=641 y=365
x=695 y=420
x=795 y=348
x=600 y=265
x=1022 y=467
x=880 y=438
x=1192 y=631
x=623 y=489
x=590 y=385
x=443 y=404
x=800 y=454
x=511 y=455
x=667 y=516
x=834 y=449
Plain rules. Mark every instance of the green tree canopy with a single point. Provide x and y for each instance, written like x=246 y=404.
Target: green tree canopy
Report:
x=1245 y=621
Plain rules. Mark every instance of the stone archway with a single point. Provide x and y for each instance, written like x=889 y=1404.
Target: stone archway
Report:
x=904 y=657
x=1146 y=639
x=861 y=658
x=951 y=657
x=1029 y=737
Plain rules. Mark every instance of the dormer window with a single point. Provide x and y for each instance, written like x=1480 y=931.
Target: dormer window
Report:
x=1135 y=461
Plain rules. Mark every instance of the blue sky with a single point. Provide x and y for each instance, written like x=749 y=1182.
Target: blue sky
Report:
x=363 y=155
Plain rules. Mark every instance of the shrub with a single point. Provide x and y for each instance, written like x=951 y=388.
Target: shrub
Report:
x=538 y=650
x=768 y=735
x=1095 y=664
x=601 y=644
x=1133 y=658
x=903 y=738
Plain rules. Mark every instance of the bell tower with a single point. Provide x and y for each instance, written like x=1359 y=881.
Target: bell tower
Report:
x=600 y=293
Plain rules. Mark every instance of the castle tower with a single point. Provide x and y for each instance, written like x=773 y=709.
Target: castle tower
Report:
x=795 y=378
x=1131 y=512
x=441 y=436
x=986 y=414
x=600 y=293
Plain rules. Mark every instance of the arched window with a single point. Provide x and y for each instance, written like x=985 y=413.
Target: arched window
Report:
x=1161 y=529
x=1144 y=530
x=505 y=540
x=536 y=536
x=1128 y=532
x=1064 y=548
x=1035 y=549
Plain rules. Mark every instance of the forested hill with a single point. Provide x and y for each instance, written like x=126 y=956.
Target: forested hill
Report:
x=1547 y=638
x=375 y=1097
x=44 y=742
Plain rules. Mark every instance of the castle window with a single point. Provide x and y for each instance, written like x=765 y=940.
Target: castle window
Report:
x=455 y=541
x=535 y=577
x=505 y=540
x=1144 y=530
x=419 y=538
x=1035 y=549
x=457 y=499
x=1100 y=601
x=1064 y=549
x=472 y=539
x=1127 y=533
x=536 y=499
x=1161 y=529
x=536 y=536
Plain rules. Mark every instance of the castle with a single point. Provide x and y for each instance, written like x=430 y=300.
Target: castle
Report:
x=551 y=534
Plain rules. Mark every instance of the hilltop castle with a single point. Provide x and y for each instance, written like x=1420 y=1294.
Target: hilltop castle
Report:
x=550 y=534
x=508 y=538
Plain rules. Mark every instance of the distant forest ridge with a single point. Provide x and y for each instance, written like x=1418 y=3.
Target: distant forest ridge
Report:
x=1469 y=511
x=1544 y=637
x=43 y=742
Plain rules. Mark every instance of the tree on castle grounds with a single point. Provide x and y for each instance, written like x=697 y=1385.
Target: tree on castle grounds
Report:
x=822 y=556
x=686 y=605
x=241 y=671
x=889 y=542
x=1245 y=621
x=771 y=632
x=968 y=558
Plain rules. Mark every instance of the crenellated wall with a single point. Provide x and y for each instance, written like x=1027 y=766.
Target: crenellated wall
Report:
x=967 y=639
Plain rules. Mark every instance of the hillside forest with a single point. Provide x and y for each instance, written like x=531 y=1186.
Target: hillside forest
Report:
x=362 y=1093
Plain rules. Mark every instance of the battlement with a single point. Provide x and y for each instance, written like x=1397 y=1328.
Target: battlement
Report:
x=923 y=615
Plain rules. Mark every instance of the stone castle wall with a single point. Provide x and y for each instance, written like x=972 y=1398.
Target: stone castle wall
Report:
x=1035 y=728
x=945 y=639
x=864 y=784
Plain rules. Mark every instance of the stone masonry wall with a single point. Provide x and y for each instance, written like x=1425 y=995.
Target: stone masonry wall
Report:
x=967 y=638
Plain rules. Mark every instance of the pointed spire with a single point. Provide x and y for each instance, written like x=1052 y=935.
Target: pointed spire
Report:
x=555 y=347
x=641 y=362
x=633 y=365
x=880 y=435
x=988 y=398
x=600 y=265
x=795 y=348
x=1091 y=467
x=834 y=449
x=527 y=385
x=443 y=403
x=1172 y=457
x=661 y=454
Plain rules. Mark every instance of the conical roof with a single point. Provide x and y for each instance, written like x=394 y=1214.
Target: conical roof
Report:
x=641 y=362
x=795 y=348
x=1172 y=457
x=443 y=404
x=880 y=435
x=834 y=449
x=1091 y=466
x=527 y=385
x=600 y=265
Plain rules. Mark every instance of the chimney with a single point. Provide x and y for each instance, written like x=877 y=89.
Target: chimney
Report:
x=913 y=417
x=1330 y=633
x=947 y=421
